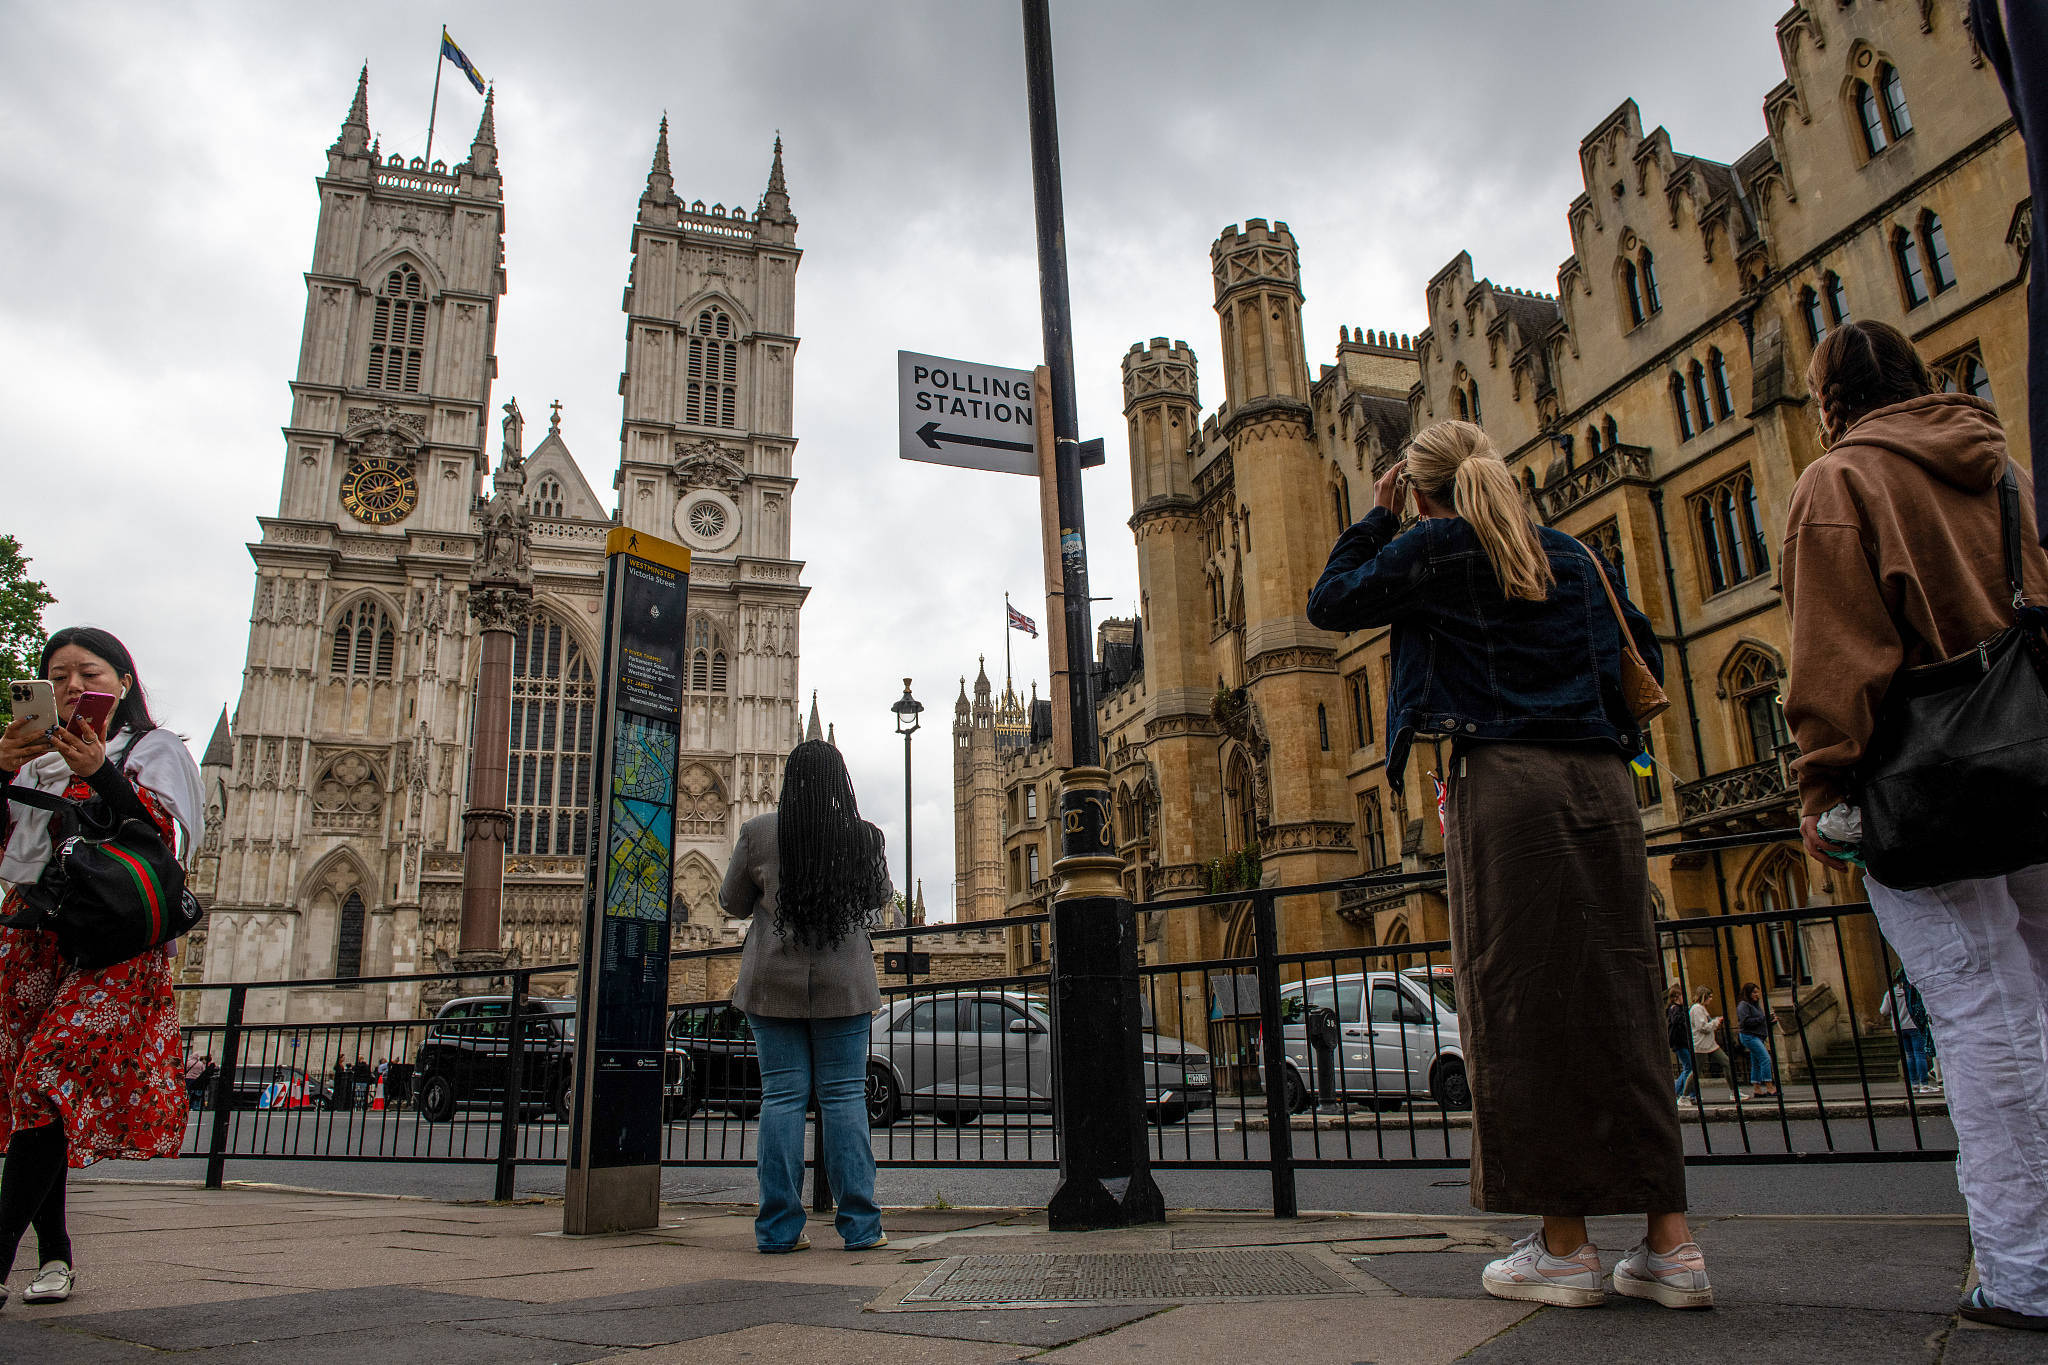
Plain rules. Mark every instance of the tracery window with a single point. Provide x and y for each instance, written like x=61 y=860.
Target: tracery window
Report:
x=398 y=332
x=707 y=657
x=1360 y=687
x=1753 y=681
x=1780 y=885
x=1912 y=275
x=1372 y=831
x=365 y=644
x=553 y=734
x=1731 y=532
x=1606 y=540
x=348 y=937
x=1975 y=379
x=711 y=381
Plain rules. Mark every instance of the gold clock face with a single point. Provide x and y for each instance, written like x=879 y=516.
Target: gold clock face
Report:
x=379 y=491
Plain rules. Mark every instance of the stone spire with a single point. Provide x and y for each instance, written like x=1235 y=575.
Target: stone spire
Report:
x=355 y=129
x=813 y=730
x=960 y=706
x=483 y=148
x=220 y=750
x=773 y=212
x=832 y=734
x=659 y=205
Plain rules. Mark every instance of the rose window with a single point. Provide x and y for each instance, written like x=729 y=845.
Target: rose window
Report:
x=707 y=519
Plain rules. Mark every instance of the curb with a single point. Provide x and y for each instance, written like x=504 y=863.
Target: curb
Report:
x=1759 y=1112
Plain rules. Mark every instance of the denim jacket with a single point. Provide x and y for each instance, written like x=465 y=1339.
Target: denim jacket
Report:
x=1471 y=663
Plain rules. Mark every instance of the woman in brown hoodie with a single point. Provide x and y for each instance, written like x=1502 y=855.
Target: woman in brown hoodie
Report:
x=1893 y=559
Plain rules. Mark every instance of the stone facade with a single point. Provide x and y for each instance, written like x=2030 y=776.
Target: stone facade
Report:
x=1654 y=406
x=336 y=849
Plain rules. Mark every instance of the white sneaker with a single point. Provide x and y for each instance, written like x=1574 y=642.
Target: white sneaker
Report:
x=52 y=1284
x=1531 y=1273
x=1678 y=1280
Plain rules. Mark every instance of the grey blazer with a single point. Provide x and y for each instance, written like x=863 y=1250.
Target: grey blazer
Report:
x=778 y=977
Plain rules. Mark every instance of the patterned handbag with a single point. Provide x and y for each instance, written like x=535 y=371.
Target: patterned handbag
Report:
x=113 y=889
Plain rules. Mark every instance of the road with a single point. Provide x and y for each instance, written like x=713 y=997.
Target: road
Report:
x=294 y=1147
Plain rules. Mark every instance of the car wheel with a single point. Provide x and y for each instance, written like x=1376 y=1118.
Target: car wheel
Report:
x=1453 y=1090
x=1294 y=1092
x=683 y=1107
x=1169 y=1113
x=884 y=1098
x=437 y=1100
x=957 y=1118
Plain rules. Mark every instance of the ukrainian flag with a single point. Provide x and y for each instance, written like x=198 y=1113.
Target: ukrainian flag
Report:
x=450 y=52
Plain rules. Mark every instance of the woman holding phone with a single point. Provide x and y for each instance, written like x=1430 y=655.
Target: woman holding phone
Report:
x=90 y=1063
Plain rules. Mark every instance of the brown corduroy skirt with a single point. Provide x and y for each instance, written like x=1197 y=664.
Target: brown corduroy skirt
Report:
x=1559 y=988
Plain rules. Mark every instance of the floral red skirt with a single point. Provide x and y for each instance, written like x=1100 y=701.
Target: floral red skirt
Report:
x=98 y=1051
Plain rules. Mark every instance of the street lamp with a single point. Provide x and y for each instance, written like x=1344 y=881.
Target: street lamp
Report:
x=907 y=709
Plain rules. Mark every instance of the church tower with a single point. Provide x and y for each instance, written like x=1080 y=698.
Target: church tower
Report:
x=1289 y=665
x=978 y=888
x=706 y=458
x=347 y=737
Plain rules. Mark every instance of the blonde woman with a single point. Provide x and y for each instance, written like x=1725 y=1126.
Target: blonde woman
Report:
x=1504 y=644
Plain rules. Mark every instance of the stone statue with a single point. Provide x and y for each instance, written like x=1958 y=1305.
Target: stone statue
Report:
x=514 y=451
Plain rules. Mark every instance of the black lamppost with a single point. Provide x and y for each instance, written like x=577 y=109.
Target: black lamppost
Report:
x=907 y=709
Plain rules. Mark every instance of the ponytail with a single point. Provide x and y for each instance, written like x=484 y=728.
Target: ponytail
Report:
x=1456 y=464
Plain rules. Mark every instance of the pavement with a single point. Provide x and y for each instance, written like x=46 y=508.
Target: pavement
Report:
x=272 y=1274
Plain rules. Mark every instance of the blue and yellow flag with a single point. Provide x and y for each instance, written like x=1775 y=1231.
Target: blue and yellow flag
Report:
x=450 y=52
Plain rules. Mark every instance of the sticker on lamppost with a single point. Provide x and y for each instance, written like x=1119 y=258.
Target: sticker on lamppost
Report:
x=961 y=413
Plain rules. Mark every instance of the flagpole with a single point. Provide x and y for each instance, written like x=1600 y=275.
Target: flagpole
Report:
x=1006 y=644
x=435 y=108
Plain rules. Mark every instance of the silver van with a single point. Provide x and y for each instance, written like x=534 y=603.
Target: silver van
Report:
x=1397 y=1039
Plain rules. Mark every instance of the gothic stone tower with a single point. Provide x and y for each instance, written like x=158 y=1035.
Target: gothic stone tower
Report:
x=1278 y=484
x=705 y=457
x=978 y=889
x=347 y=738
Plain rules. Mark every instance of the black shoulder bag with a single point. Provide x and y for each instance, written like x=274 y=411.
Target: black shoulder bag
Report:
x=1955 y=783
x=113 y=889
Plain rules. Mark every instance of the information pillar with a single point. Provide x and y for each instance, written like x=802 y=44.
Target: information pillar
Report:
x=615 y=1138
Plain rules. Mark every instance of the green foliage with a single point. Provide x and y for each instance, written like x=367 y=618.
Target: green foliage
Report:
x=1239 y=871
x=22 y=600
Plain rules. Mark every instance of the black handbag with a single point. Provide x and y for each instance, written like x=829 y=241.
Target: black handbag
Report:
x=1955 y=783
x=113 y=889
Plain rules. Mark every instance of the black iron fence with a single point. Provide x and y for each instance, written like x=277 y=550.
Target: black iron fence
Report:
x=1259 y=1060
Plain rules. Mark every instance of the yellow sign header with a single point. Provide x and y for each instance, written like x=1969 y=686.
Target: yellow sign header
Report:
x=655 y=550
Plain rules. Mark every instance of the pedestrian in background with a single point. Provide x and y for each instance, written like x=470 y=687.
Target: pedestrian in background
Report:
x=1504 y=641
x=91 y=1064
x=1753 y=1024
x=1907 y=1012
x=1678 y=1034
x=1894 y=558
x=1707 y=1057
x=807 y=875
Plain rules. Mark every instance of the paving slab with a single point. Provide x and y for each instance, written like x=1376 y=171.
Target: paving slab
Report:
x=1644 y=1334
x=23 y=1338
x=783 y=1342
x=1381 y=1331
x=1974 y=1343
x=276 y=1318
x=436 y=1342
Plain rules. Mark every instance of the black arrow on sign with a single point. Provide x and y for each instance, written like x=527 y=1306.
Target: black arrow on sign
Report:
x=930 y=434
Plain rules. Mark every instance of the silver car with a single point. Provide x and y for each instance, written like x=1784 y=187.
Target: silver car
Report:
x=1397 y=1039
x=984 y=1052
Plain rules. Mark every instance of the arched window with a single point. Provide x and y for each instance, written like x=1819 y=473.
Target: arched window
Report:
x=398 y=332
x=1323 y=725
x=1593 y=441
x=1464 y=408
x=1606 y=539
x=1837 y=297
x=1731 y=532
x=348 y=938
x=1372 y=832
x=1652 y=299
x=1780 y=885
x=1613 y=432
x=1935 y=244
x=1361 y=709
x=707 y=657
x=1809 y=309
x=1699 y=397
x=1632 y=290
x=554 y=734
x=365 y=644
x=1752 y=681
x=1472 y=389
x=711 y=388
x=1682 y=406
x=1870 y=119
x=547 y=500
x=1912 y=277
x=1717 y=370
x=1243 y=815
x=1340 y=505
x=1894 y=91
x=1976 y=379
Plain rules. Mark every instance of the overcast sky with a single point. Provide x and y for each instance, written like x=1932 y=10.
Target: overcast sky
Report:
x=157 y=207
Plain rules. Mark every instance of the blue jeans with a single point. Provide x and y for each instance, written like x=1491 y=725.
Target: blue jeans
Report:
x=829 y=1056
x=1684 y=1072
x=1913 y=1042
x=1759 y=1059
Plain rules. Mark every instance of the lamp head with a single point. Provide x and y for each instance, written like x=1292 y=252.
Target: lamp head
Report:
x=907 y=709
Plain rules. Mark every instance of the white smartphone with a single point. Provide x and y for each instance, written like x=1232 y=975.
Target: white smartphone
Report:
x=34 y=699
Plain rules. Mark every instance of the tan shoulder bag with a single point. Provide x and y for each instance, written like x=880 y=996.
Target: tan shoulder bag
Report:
x=1640 y=690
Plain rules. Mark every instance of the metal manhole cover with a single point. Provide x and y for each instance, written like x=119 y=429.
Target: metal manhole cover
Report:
x=1069 y=1280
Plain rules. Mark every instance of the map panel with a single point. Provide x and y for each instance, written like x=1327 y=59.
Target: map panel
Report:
x=642 y=821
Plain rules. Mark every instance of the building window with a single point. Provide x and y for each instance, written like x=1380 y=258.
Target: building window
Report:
x=1372 y=831
x=1649 y=790
x=1361 y=708
x=711 y=387
x=365 y=645
x=1632 y=289
x=1724 y=396
x=1031 y=862
x=1682 y=405
x=1323 y=725
x=1472 y=389
x=1613 y=432
x=1975 y=379
x=1031 y=803
x=1871 y=120
x=1731 y=532
x=1652 y=299
x=1912 y=278
x=554 y=738
x=1699 y=397
x=1894 y=91
x=1781 y=886
x=1809 y=312
x=1016 y=872
x=1605 y=539
x=1934 y=242
x=1464 y=408
x=1340 y=505
x=1837 y=297
x=398 y=332
x=707 y=657
x=348 y=939
x=1593 y=441
x=547 y=498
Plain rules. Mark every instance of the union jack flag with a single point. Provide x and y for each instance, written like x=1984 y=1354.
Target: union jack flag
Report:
x=1019 y=621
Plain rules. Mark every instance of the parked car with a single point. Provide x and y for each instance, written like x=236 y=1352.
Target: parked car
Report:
x=463 y=1059
x=1397 y=1039
x=720 y=1068
x=271 y=1087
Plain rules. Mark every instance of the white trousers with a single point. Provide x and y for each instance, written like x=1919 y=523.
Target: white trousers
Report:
x=1978 y=951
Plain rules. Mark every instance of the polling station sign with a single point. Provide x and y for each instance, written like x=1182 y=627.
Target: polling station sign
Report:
x=962 y=413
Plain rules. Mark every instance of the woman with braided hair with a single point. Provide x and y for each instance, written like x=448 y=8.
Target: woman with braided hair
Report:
x=808 y=875
x=1893 y=559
